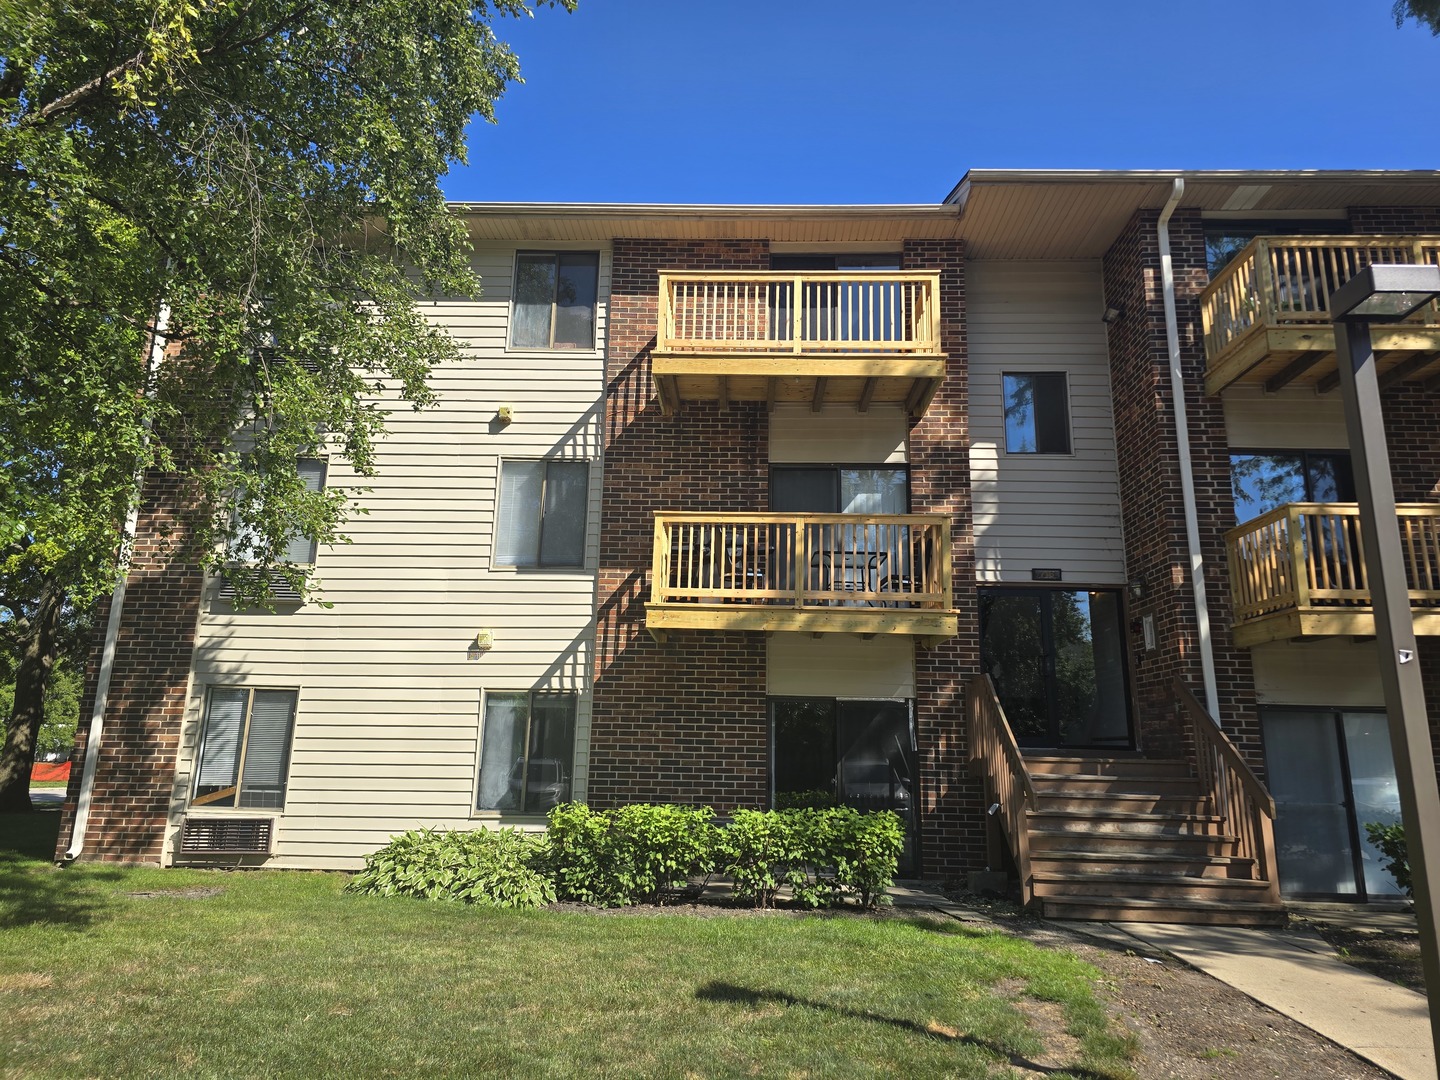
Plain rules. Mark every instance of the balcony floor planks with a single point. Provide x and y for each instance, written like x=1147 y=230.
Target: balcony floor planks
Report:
x=1291 y=623
x=929 y=624
x=1265 y=351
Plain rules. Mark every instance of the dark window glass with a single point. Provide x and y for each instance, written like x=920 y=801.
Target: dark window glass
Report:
x=527 y=751
x=1262 y=481
x=1037 y=413
x=1226 y=239
x=555 y=297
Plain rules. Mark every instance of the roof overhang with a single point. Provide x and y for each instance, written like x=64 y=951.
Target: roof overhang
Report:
x=1077 y=214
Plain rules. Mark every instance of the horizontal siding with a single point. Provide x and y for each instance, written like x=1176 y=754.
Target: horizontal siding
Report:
x=840 y=666
x=1297 y=419
x=837 y=436
x=388 y=726
x=1050 y=510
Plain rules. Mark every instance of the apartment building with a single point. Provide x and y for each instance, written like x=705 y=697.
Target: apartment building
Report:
x=889 y=506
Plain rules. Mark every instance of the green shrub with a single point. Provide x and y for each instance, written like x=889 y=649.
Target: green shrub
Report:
x=503 y=868
x=630 y=855
x=867 y=851
x=757 y=849
x=800 y=800
x=1390 y=839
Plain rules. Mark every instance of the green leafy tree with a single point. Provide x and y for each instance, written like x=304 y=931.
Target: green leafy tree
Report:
x=1425 y=12
x=266 y=173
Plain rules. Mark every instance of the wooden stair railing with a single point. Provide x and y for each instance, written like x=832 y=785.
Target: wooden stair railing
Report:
x=1234 y=790
x=995 y=756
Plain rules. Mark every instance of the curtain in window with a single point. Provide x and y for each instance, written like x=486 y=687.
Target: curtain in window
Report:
x=267 y=749
x=220 y=754
x=301 y=548
x=534 y=296
x=563 y=533
x=517 y=526
x=502 y=751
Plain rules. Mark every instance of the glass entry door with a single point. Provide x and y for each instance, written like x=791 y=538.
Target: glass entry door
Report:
x=828 y=752
x=1057 y=657
x=1331 y=773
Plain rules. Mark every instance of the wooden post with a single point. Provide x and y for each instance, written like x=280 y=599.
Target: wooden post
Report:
x=798 y=287
x=800 y=558
x=660 y=564
x=1299 y=570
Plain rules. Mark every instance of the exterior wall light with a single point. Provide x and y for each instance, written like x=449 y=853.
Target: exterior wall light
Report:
x=483 y=643
x=1112 y=314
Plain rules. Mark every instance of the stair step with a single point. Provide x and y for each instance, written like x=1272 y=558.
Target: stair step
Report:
x=1183 y=803
x=1140 y=909
x=1147 y=886
x=1108 y=766
x=1066 y=783
x=1126 y=836
x=1193 y=864
x=1106 y=813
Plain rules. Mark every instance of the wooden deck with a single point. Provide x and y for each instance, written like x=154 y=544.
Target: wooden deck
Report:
x=850 y=338
x=1299 y=571
x=1267 y=321
x=817 y=573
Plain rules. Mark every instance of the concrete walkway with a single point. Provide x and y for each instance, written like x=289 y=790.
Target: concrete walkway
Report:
x=1295 y=972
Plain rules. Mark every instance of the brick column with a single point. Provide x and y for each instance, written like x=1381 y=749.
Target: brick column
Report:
x=952 y=811
x=135 y=777
x=685 y=721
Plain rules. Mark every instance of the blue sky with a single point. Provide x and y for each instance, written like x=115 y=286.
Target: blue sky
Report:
x=686 y=101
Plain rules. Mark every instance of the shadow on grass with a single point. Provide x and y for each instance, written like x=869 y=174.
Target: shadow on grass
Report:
x=33 y=891
x=741 y=995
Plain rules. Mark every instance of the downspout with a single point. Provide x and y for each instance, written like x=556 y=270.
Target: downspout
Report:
x=1182 y=442
x=117 y=605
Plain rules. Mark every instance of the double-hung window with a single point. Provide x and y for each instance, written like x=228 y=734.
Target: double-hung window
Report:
x=1037 y=413
x=300 y=549
x=527 y=751
x=244 y=757
x=540 y=521
x=555 y=297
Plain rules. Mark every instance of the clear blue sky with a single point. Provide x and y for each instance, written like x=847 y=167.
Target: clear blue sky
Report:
x=688 y=101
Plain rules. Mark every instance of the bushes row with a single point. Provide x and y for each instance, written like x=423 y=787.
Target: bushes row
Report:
x=644 y=854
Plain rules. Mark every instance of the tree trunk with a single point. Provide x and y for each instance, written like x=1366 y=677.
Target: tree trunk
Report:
x=41 y=647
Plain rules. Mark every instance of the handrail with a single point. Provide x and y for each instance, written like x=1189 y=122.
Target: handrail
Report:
x=1288 y=280
x=802 y=561
x=1233 y=789
x=995 y=756
x=1311 y=557
x=788 y=312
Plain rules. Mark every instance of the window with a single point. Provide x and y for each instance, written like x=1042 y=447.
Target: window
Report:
x=541 y=516
x=555 y=296
x=245 y=545
x=1037 y=413
x=1224 y=239
x=1263 y=480
x=245 y=748
x=527 y=751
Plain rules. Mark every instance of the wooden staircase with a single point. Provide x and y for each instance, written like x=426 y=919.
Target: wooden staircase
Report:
x=1136 y=840
x=1130 y=839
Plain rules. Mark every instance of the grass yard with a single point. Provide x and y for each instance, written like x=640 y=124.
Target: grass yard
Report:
x=111 y=972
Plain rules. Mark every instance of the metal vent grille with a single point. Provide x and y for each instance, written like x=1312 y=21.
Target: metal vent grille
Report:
x=281 y=591
x=235 y=836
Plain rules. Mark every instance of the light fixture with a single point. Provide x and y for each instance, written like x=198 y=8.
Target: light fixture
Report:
x=1137 y=588
x=505 y=414
x=1113 y=314
x=483 y=643
x=1386 y=292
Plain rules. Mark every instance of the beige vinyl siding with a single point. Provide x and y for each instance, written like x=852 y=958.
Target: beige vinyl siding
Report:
x=388 y=723
x=1042 y=510
x=839 y=436
x=839 y=666
x=1297 y=419
x=1329 y=672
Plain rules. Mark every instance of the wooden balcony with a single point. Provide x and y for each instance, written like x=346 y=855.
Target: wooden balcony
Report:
x=834 y=337
x=1299 y=572
x=818 y=573
x=1266 y=315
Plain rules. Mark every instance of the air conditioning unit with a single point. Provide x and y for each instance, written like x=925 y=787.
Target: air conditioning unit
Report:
x=227 y=836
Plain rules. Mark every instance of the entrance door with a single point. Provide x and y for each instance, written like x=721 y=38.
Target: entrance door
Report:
x=1331 y=773
x=1057 y=657
x=847 y=753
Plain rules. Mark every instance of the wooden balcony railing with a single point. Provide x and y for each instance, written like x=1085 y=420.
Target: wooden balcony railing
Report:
x=835 y=312
x=1233 y=791
x=995 y=758
x=1301 y=568
x=1266 y=315
x=823 y=573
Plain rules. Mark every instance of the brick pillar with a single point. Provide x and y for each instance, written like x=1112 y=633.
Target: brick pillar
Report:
x=952 y=812
x=685 y=721
x=135 y=777
x=1153 y=509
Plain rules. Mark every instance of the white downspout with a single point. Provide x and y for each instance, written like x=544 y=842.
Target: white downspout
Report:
x=1182 y=442
x=117 y=605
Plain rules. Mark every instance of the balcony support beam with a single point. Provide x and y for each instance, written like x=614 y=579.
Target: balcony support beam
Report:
x=866 y=393
x=1292 y=371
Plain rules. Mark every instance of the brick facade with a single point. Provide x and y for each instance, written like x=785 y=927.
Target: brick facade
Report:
x=1153 y=511
x=685 y=721
x=135 y=776
x=952 y=809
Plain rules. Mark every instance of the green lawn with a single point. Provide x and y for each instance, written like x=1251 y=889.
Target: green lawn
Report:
x=110 y=972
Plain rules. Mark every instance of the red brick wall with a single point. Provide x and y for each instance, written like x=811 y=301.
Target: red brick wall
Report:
x=1151 y=499
x=1405 y=220
x=952 y=810
x=135 y=777
x=685 y=721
